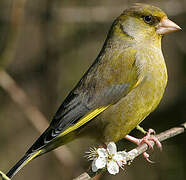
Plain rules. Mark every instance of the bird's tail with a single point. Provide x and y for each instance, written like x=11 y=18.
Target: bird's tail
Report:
x=22 y=162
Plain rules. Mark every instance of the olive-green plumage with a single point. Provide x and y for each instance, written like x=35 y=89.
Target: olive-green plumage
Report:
x=124 y=84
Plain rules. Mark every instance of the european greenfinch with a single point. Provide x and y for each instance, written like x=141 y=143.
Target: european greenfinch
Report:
x=120 y=89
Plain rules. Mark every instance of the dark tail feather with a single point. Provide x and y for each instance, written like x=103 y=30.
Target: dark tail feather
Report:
x=21 y=163
x=18 y=166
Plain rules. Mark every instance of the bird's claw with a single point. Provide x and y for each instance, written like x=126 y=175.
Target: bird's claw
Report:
x=147 y=140
x=151 y=131
x=146 y=156
x=150 y=137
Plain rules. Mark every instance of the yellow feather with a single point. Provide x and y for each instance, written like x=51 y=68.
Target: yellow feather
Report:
x=32 y=157
x=90 y=115
x=84 y=120
x=138 y=82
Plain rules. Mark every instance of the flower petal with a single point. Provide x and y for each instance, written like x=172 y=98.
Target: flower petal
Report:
x=94 y=168
x=123 y=153
x=112 y=167
x=100 y=162
x=119 y=159
x=111 y=148
x=102 y=152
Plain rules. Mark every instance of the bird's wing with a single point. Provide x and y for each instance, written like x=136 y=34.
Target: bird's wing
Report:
x=101 y=87
x=80 y=109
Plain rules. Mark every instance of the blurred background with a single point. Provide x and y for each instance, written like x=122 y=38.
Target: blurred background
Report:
x=45 y=47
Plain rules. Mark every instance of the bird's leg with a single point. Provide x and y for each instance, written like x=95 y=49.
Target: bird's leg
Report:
x=149 y=137
x=139 y=128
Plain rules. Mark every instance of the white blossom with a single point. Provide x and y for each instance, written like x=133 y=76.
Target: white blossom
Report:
x=108 y=158
x=112 y=167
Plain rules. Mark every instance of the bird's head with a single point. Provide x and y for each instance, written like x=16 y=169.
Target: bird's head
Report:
x=142 y=23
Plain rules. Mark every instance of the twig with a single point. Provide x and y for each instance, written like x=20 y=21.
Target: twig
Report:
x=33 y=114
x=17 y=93
x=139 y=150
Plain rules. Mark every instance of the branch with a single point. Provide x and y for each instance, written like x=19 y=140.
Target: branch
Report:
x=139 y=150
x=33 y=114
x=17 y=94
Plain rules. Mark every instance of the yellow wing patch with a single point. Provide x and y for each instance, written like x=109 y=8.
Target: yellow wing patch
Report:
x=32 y=157
x=91 y=115
x=138 y=82
x=84 y=120
x=28 y=160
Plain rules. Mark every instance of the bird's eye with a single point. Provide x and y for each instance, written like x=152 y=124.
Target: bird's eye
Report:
x=148 y=19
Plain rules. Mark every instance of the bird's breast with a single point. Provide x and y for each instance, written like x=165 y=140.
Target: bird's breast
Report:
x=152 y=70
x=125 y=115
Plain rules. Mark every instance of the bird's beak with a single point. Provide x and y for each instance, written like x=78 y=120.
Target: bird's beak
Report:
x=167 y=26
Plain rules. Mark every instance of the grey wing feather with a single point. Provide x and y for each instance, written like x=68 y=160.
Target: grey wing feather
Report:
x=70 y=111
x=74 y=108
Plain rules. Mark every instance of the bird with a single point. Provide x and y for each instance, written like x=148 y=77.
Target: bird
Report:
x=120 y=89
